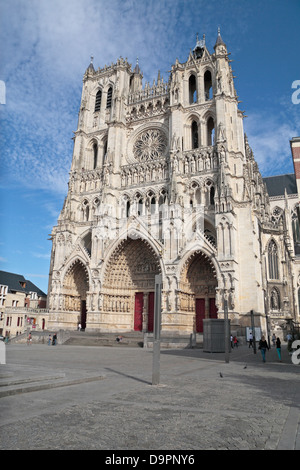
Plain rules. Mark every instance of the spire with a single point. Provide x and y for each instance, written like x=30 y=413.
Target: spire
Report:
x=219 y=41
x=137 y=67
x=91 y=66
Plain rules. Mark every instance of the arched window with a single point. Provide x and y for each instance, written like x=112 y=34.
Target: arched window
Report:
x=127 y=209
x=140 y=206
x=212 y=195
x=192 y=89
x=207 y=85
x=98 y=101
x=273 y=260
x=195 y=140
x=109 y=98
x=210 y=131
x=153 y=205
x=95 y=149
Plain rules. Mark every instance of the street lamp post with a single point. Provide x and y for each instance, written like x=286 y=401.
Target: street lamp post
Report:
x=156 y=331
x=226 y=328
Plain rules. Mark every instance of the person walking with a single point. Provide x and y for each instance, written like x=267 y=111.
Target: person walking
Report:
x=274 y=340
x=289 y=339
x=250 y=340
x=278 y=348
x=263 y=346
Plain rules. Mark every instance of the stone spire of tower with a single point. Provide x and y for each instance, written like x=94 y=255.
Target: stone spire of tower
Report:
x=91 y=66
x=137 y=67
x=219 y=41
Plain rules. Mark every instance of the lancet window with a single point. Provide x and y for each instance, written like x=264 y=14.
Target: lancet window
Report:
x=192 y=89
x=109 y=98
x=98 y=101
x=210 y=131
x=207 y=85
x=195 y=136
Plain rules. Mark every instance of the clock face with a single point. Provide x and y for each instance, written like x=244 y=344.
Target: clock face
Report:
x=150 y=145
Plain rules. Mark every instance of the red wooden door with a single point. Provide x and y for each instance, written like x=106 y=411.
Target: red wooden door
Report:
x=200 y=314
x=138 y=311
x=213 y=311
x=150 y=311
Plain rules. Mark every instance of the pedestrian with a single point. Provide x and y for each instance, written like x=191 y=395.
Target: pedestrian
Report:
x=250 y=340
x=29 y=339
x=54 y=340
x=49 y=340
x=278 y=348
x=289 y=339
x=274 y=340
x=231 y=341
x=235 y=342
x=263 y=346
x=79 y=326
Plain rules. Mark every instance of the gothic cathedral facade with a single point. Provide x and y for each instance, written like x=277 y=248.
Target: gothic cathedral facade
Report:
x=163 y=181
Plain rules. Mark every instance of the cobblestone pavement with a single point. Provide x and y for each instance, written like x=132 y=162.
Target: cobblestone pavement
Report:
x=92 y=398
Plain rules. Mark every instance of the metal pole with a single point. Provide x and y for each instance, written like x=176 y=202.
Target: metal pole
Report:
x=226 y=330
x=156 y=331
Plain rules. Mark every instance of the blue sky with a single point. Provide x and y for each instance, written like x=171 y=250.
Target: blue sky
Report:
x=46 y=48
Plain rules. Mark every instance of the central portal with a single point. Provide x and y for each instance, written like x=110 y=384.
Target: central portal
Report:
x=128 y=288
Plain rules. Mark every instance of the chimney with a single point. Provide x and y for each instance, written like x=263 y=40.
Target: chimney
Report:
x=295 y=148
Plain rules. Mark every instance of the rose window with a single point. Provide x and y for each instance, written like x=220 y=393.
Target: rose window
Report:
x=150 y=145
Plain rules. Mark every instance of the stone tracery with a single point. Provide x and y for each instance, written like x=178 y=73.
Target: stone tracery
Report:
x=150 y=145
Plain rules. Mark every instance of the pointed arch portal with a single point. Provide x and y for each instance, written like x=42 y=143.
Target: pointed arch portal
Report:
x=198 y=289
x=74 y=290
x=128 y=287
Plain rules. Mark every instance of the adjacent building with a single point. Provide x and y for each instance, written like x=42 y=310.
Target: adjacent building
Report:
x=22 y=305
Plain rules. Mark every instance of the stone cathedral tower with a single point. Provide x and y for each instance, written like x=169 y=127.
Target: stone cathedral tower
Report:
x=163 y=181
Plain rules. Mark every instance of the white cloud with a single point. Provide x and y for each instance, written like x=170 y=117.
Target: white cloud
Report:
x=48 y=44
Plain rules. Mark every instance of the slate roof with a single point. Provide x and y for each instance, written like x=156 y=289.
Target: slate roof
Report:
x=15 y=281
x=277 y=184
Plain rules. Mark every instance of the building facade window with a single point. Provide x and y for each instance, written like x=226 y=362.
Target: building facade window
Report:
x=95 y=150
x=210 y=131
x=98 y=101
x=207 y=85
x=192 y=89
x=195 y=137
x=109 y=98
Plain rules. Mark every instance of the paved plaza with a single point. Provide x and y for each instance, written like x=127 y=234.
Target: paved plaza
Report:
x=101 y=398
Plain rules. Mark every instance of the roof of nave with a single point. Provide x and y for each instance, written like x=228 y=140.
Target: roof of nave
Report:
x=276 y=185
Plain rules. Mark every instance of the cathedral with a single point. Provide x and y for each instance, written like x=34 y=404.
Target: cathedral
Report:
x=163 y=181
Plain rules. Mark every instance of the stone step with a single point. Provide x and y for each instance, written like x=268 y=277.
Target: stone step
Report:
x=81 y=338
